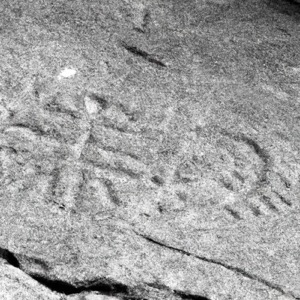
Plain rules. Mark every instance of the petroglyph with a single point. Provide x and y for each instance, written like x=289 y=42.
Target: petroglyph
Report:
x=230 y=171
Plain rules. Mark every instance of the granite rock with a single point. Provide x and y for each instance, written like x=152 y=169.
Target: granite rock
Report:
x=150 y=149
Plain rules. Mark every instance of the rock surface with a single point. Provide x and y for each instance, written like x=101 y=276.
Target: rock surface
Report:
x=149 y=149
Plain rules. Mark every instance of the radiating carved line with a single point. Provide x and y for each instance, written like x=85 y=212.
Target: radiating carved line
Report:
x=55 y=181
x=114 y=150
x=157 y=180
x=53 y=107
x=238 y=176
x=256 y=211
x=35 y=129
x=128 y=171
x=284 y=200
x=99 y=99
x=111 y=191
x=233 y=213
x=267 y=201
x=228 y=185
x=284 y=180
x=11 y=149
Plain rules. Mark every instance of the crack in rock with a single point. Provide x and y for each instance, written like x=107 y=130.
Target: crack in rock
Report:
x=9 y=257
x=236 y=270
x=103 y=285
x=138 y=52
x=188 y=296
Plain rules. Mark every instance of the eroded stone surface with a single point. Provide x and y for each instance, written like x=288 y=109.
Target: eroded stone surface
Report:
x=166 y=164
x=16 y=285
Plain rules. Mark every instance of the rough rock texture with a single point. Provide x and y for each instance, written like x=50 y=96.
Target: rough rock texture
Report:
x=149 y=149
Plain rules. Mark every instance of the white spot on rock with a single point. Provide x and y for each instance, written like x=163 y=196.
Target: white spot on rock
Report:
x=66 y=73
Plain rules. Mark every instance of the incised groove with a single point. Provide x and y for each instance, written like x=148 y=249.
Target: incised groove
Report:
x=111 y=191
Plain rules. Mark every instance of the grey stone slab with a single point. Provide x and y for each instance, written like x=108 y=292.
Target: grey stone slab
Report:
x=150 y=149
